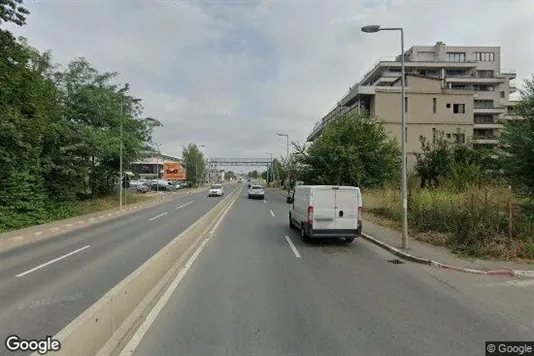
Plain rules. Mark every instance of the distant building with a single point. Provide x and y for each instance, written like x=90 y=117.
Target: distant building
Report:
x=465 y=94
x=215 y=176
x=147 y=167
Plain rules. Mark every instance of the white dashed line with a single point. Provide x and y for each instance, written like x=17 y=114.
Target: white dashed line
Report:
x=295 y=251
x=272 y=213
x=52 y=261
x=186 y=204
x=158 y=216
x=264 y=202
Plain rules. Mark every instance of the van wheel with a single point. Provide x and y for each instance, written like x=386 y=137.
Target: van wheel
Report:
x=303 y=234
x=349 y=239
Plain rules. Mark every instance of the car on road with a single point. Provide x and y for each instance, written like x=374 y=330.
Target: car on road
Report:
x=216 y=190
x=326 y=211
x=256 y=192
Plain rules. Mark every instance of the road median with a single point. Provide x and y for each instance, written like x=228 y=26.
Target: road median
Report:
x=107 y=323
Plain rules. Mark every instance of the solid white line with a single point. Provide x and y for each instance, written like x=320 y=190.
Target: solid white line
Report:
x=158 y=216
x=186 y=204
x=295 y=251
x=52 y=261
x=272 y=213
x=264 y=202
x=138 y=336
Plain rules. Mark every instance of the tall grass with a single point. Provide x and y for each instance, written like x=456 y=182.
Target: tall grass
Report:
x=476 y=220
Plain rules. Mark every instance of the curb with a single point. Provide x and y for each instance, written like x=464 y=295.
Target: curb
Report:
x=407 y=257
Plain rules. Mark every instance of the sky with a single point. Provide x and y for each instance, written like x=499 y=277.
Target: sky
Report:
x=230 y=75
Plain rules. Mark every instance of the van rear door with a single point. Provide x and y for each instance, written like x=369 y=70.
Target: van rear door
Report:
x=347 y=202
x=324 y=215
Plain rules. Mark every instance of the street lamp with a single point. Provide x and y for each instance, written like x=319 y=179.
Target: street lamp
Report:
x=372 y=29
x=126 y=87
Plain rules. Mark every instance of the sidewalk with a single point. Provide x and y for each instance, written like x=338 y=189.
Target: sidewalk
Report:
x=425 y=253
x=15 y=238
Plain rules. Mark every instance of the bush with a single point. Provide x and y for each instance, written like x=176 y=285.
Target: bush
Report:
x=475 y=221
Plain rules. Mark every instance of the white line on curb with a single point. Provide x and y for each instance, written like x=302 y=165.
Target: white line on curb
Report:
x=186 y=204
x=158 y=216
x=295 y=251
x=52 y=261
x=272 y=213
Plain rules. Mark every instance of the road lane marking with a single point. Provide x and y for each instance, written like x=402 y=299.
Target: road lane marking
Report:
x=264 y=202
x=158 y=216
x=295 y=251
x=186 y=204
x=129 y=349
x=52 y=261
x=272 y=213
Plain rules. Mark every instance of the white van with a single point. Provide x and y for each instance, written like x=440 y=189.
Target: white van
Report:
x=326 y=211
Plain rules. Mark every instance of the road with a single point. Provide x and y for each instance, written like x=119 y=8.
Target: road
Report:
x=44 y=286
x=250 y=292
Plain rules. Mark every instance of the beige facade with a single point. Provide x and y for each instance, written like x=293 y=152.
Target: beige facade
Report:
x=475 y=71
x=430 y=110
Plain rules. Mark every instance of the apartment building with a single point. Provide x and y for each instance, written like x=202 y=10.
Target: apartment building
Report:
x=473 y=70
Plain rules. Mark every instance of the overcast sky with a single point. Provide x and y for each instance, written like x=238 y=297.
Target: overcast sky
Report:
x=232 y=74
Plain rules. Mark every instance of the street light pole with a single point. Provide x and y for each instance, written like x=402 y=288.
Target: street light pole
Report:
x=376 y=28
x=120 y=159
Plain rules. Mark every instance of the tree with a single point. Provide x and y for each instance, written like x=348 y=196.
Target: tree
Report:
x=229 y=175
x=11 y=11
x=254 y=174
x=517 y=140
x=353 y=150
x=195 y=164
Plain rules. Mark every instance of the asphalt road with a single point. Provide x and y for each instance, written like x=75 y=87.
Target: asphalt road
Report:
x=44 y=286
x=249 y=294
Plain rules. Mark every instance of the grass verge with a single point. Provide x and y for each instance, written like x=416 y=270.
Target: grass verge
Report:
x=472 y=223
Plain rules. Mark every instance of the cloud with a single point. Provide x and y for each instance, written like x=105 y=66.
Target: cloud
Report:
x=231 y=75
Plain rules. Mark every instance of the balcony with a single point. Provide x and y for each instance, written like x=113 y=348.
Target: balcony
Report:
x=486 y=140
x=473 y=79
x=486 y=109
x=511 y=73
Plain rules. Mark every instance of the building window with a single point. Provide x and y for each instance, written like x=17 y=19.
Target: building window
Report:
x=405 y=104
x=448 y=105
x=458 y=109
x=502 y=94
x=459 y=138
x=434 y=105
x=456 y=56
x=484 y=56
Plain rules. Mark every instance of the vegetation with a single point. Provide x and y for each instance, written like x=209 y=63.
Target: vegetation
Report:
x=195 y=164
x=59 y=131
x=353 y=150
x=477 y=203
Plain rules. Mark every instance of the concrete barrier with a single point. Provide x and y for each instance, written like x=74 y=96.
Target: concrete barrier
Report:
x=95 y=329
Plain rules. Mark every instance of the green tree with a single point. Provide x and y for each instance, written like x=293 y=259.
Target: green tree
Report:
x=353 y=150
x=517 y=141
x=254 y=174
x=12 y=11
x=195 y=164
x=229 y=175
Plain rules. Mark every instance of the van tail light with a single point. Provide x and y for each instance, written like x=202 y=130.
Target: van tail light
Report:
x=360 y=213
x=310 y=215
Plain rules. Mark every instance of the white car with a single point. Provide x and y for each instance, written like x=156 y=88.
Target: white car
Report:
x=256 y=192
x=216 y=190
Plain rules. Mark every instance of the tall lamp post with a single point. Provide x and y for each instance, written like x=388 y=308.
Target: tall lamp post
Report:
x=121 y=174
x=372 y=29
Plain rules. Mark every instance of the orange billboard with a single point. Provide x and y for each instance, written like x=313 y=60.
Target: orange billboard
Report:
x=173 y=171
